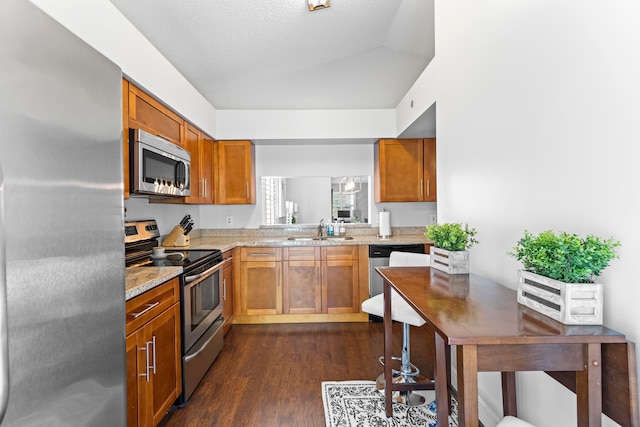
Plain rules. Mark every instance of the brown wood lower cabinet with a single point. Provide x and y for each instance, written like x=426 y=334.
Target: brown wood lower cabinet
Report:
x=302 y=290
x=153 y=360
x=300 y=284
x=227 y=291
x=261 y=281
x=340 y=279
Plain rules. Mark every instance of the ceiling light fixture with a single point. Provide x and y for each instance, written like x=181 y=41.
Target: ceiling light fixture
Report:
x=318 y=4
x=350 y=185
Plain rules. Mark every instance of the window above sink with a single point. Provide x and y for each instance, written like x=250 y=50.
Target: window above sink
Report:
x=307 y=200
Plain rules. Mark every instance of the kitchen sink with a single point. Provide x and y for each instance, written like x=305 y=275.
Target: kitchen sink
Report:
x=308 y=239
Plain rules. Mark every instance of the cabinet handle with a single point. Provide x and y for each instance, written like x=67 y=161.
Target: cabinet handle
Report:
x=149 y=307
x=205 y=187
x=421 y=189
x=246 y=193
x=154 y=354
x=428 y=188
x=260 y=254
x=224 y=289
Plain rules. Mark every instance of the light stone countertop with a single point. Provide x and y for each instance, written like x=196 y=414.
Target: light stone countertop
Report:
x=225 y=243
x=142 y=279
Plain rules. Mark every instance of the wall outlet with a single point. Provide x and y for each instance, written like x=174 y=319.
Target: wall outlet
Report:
x=229 y=220
x=434 y=219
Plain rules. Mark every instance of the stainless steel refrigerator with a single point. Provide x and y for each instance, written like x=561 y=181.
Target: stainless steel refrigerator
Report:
x=62 y=313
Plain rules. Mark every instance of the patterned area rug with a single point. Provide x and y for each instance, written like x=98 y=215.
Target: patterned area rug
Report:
x=361 y=404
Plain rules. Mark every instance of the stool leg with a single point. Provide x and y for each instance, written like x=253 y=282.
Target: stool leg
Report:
x=406 y=350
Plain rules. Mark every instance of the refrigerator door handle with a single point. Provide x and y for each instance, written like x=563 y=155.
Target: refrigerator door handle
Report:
x=4 y=331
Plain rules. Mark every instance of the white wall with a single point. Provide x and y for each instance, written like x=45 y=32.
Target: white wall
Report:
x=537 y=125
x=310 y=124
x=101 y=25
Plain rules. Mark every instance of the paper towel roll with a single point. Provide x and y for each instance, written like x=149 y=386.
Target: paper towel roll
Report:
x=385 y=224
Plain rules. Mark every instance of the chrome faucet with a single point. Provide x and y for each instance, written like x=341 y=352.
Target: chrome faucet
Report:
x=320 y=227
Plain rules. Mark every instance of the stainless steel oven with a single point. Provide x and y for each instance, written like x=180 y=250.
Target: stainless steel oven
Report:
x=201 y=298
x=202 y=303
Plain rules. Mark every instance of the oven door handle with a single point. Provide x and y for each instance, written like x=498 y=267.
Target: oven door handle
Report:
x=203 y=348
x=204 y=274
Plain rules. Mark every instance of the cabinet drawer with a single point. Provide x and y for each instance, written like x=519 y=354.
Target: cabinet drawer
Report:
x=331 y=253
x=306 y=253
x=145 y=307
x=261 y=254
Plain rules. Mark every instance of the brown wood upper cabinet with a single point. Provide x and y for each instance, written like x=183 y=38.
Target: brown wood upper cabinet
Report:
x=200 y=145
x=147 y=113
x=405 y=170
x=125 y=136
x=236 y=173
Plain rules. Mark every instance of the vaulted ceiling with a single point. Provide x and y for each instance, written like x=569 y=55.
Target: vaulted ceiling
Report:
x=277 y=55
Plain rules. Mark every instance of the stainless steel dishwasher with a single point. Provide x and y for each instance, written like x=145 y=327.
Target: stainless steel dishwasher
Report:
x=379 y=257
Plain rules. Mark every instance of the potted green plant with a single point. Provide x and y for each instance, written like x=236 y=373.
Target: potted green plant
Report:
x=451 y=243
x=559 y=274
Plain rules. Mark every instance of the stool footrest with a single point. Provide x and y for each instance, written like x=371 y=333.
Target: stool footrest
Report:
x=413 y=372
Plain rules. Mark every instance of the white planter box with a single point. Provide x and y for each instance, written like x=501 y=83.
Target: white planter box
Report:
x=452 y=262
x=569 y=303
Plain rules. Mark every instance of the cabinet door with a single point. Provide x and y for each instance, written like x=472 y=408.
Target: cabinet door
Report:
x=302 y=280
x=200 y=146
x=136 y=367
x=302 y=291
x=340 y=279
x=261 y=288
x=125 y=136
x=163 y=336
x=193 y=136
x=429 y=174
x=399 y=170
x=206 y=168
x=227 y=292
x=236 y=172
x=154 y=117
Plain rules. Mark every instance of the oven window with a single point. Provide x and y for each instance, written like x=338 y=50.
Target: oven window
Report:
x=205 y=297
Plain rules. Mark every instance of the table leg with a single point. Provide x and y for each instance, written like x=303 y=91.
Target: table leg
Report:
x=589 y=387
x=441 y=378
x=467 y=362
x=388 y=376
x=509 y=400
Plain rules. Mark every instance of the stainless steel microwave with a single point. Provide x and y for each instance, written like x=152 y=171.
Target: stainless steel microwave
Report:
x=158 y=167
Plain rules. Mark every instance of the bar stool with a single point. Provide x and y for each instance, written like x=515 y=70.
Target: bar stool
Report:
x=401 y=311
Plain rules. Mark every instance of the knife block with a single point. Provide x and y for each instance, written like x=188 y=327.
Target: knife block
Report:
x=176 y=238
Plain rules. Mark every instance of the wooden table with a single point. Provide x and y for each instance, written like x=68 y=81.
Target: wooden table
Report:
x=492 y=332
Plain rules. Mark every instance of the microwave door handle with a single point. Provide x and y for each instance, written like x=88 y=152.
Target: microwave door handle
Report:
x=177 y=173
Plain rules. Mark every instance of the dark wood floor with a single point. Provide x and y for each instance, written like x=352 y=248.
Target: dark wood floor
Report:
x=271 y=375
